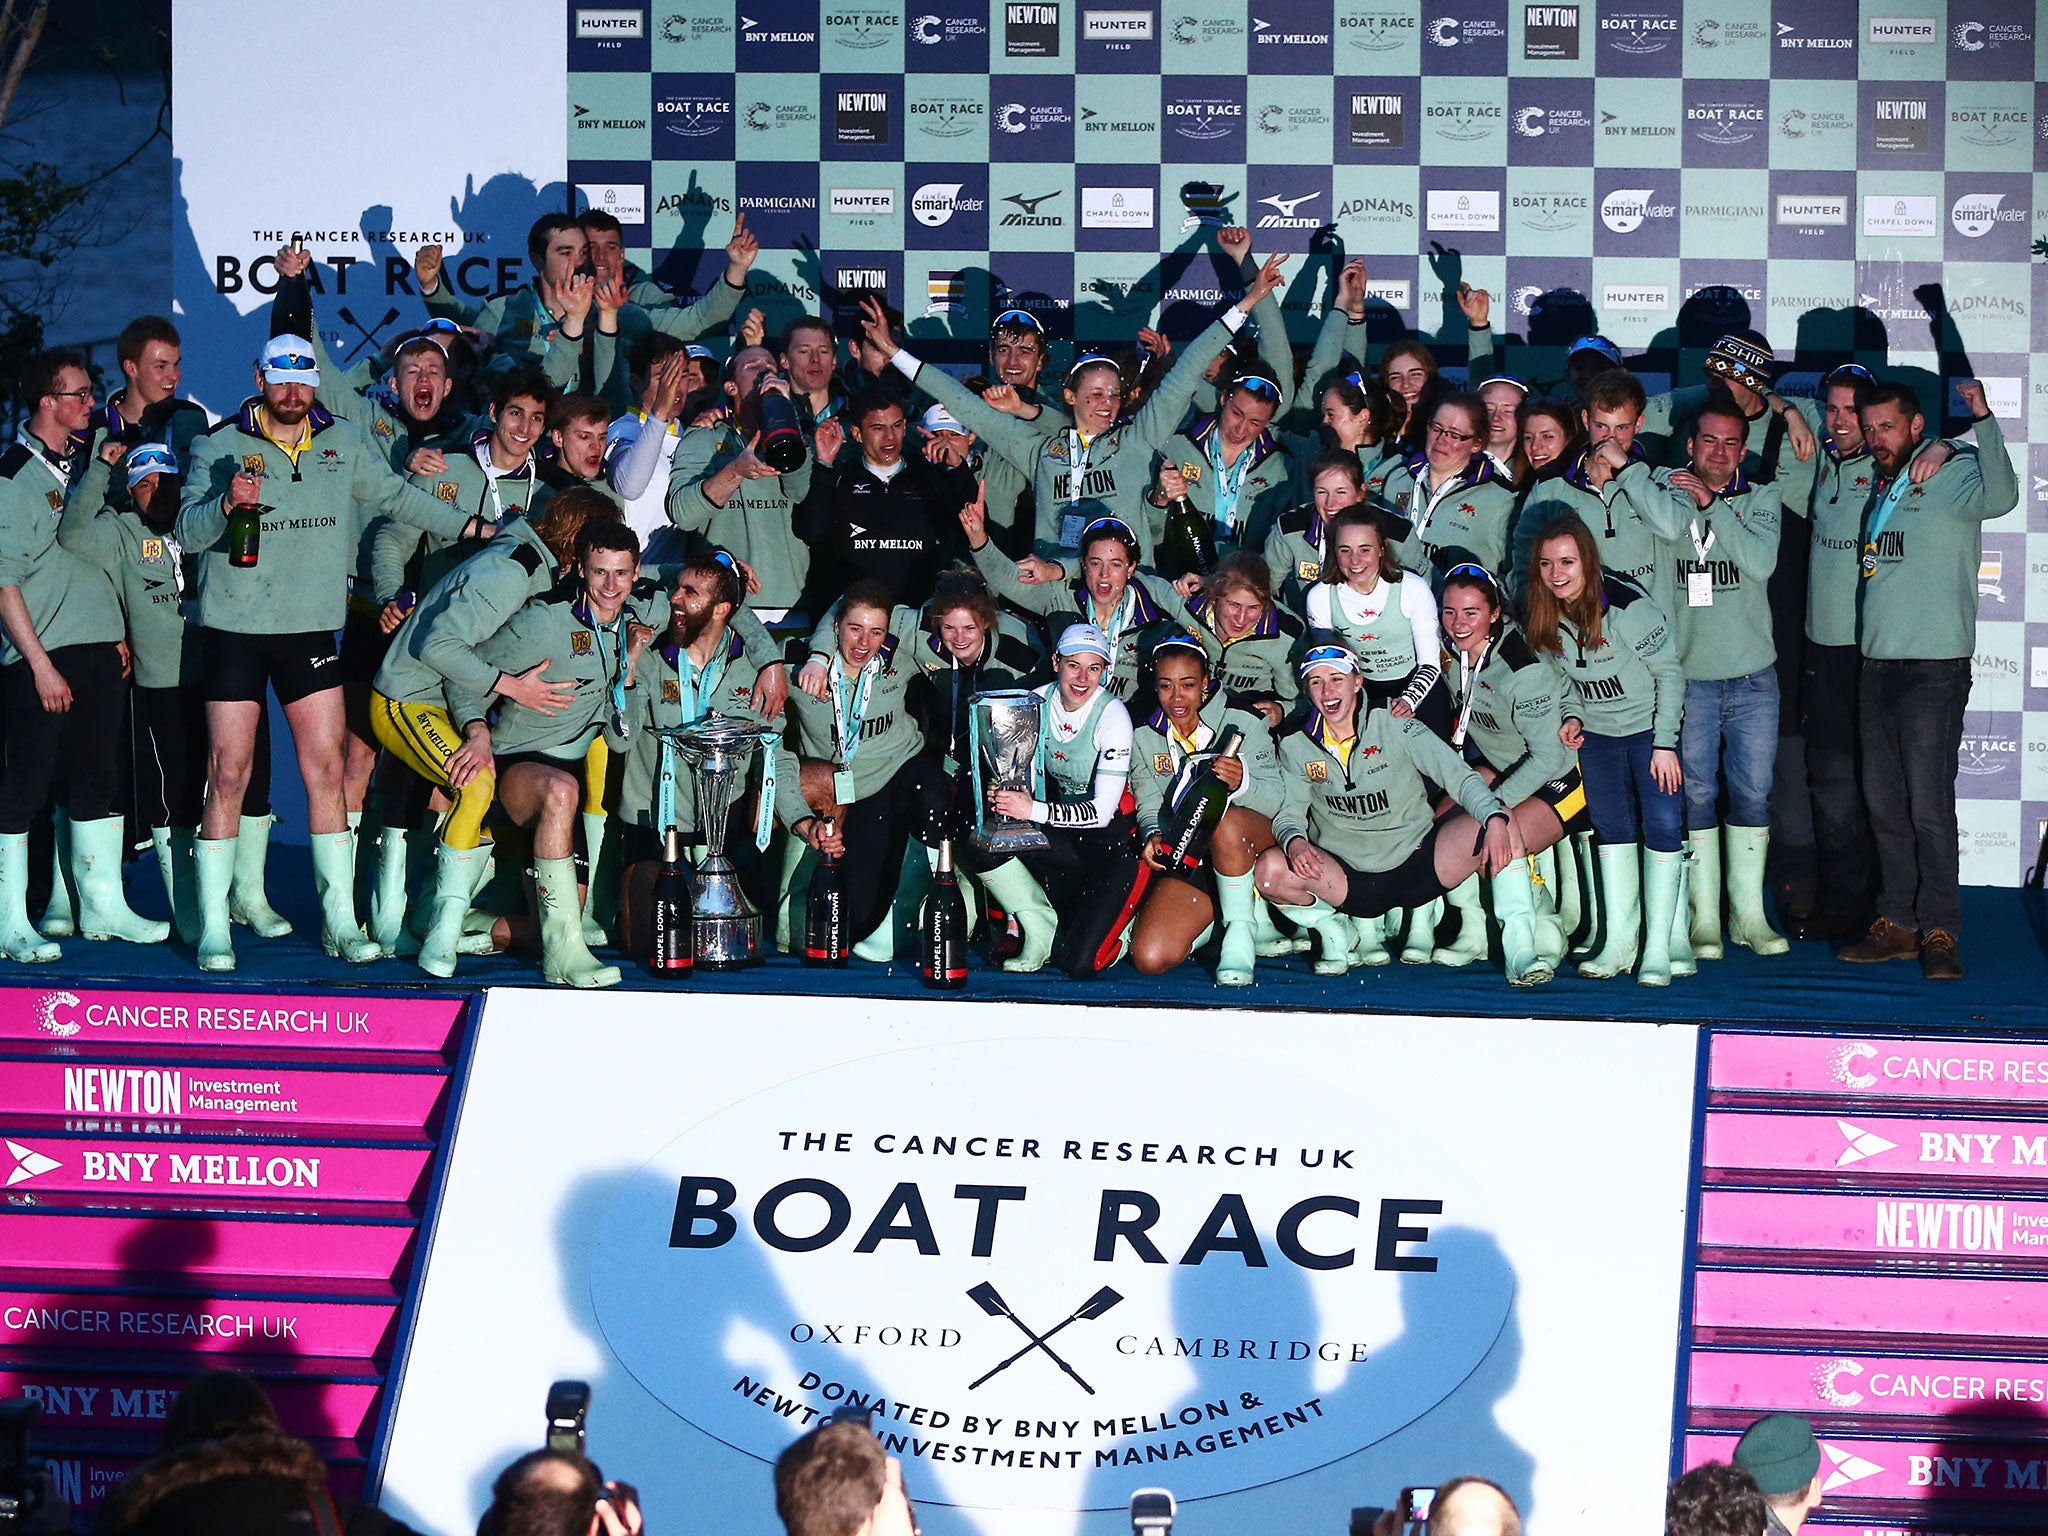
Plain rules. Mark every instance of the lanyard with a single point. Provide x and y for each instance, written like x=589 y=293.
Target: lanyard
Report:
x=1702 y=547
x=615 y=667
x=1431 y=499
x=769 y=747
x=1084 y=726
x=1228 y=482
x=491 y=474
x=697 y=688
x=1886 y=506
x=36 y=452
x=1077 y=465
x=850 y=707
x=1119 y=620
x=1468 y=690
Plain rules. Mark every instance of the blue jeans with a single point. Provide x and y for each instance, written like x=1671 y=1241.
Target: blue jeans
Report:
x=1730 y=735
x=1624 y=801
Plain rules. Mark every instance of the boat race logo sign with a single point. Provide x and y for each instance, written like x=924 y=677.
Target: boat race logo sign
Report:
x=1061 y=1288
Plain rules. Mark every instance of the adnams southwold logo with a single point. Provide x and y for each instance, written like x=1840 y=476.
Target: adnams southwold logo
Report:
x=1043 y=1295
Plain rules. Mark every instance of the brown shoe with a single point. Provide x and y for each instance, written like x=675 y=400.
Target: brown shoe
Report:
x=1885 y=941
x=1938 y=958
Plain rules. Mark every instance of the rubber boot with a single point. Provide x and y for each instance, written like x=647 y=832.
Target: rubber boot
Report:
x=388 y=889
x=22 y=943
x=879 y=947
x=1420 y=946
x=181 y=890
x=595 y=903
x=565 y=959
x=1588 y=936
x=1747 y=850
x=1237 y=900
x=1551 y=931
x=455 y=881
x=1369 y=941
x=59 y=920
x=1471 y=943
x=1661 y=878
x=334 y=878
x=1018 y=892
x=1266 y=935
x=477 y=925
x=1514 y=903
x=247 y=904
x=421 y=852
x=896 y=934
x=787 y=882
x=103 y=910
x=214 y=861
x=1682 y=962
x=1621 y=888
x=1333 y=933
x=1706 y=893
x=1559 y=869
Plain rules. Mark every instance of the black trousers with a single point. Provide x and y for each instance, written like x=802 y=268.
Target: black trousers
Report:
x=1912 y=732
x=171 y=743
x=878 y=829
x=1094 y=880
x=75 y=751
x=1829 y=685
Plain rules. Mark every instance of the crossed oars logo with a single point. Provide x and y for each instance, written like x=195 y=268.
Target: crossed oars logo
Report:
x=990 y=1301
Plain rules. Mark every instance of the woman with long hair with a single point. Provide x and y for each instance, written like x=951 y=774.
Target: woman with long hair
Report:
x=1295 y=548
x=1249 y=641
x=1615 y=648
x=1172 y=747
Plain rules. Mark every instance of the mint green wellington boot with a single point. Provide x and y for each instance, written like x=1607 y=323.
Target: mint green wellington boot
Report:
x=22 y=943
x=334 y=878
x=103 y=910
x=1621 y=890
x=564 y=958
x=213 y=866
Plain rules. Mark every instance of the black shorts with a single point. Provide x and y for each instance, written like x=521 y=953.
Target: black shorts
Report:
x=1566 y=795
x=1409 y=884
x=238 y=667
x=1201 y=878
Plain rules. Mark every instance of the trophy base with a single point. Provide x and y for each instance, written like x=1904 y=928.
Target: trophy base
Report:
x=727 y=943
x=1010 y=839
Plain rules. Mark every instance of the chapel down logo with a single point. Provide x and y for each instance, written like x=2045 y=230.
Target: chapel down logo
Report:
x=1038 y=1286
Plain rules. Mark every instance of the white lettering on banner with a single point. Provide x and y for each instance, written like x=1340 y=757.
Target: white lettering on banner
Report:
x=1045 y=1255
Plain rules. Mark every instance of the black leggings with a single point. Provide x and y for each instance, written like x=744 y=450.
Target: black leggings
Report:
x=1093 y=878
x=74 y=751
x=878 y=830
x=170 y=758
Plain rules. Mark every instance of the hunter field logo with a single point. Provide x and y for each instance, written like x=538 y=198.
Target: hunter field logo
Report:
x=1034 y=1294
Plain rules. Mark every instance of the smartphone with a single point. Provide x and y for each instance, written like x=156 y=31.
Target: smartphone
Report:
x=1415 y=1505
x=568 y=1404
x=1152 y=1511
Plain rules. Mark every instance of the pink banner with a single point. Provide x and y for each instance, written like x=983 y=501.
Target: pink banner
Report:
x=241 y=1019
x=1858 y=1146
x=1884 y=1067
x=332 y=1410
x=1914 y=1471
x=104 y=1321
x=1894 y=1306
x=1888 y=1385
x=1865 y=1225
x=147 y=1166
x=152 y=1245
x=254 y=1098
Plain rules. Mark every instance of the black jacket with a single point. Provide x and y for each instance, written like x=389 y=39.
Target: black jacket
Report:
x=902 y=531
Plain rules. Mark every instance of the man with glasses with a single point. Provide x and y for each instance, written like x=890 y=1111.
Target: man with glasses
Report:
x=269 y=622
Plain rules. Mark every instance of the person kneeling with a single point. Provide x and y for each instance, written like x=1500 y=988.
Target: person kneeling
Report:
x=1174 y=746
x=1356 y=834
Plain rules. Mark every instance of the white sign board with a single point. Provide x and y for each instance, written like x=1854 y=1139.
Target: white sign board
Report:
x=1289 y=1263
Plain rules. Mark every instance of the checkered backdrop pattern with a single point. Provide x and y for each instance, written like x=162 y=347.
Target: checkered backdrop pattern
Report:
x=1860 y=182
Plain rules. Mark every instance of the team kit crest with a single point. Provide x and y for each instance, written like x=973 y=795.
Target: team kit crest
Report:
x=446 y=490
x=671 y=691
x=579 y=643
x=1318 y=771
x=252 y=463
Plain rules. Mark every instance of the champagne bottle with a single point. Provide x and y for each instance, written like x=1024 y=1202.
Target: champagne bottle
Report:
x=245 y=536
x=942 y=928
x=674 y=952
x=1188 y=542
x=825 y=914
x=1192 y=820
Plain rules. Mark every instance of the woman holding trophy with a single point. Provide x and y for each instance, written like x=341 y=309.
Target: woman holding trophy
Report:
x=1078 y=798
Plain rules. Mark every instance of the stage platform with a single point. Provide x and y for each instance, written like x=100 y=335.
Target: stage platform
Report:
x=2004 y=946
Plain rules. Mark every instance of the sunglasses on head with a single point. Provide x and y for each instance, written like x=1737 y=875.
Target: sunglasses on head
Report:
x=440 y=323
x=1110 y=525
x=288 y=360
x=1259 y=385
x=1089 y=360
x=1018 y=317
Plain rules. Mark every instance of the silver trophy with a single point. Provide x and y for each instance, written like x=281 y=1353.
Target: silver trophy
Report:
x=726 y=928
x=1005 y=729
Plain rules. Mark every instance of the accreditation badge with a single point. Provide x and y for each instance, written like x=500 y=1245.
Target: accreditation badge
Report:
x=1869 y=561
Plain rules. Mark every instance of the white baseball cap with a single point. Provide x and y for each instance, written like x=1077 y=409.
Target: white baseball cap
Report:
x=288 y=360
x=939 y=419
x=1084 y=640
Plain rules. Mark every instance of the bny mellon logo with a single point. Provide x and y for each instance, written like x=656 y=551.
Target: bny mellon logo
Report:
x=27 y=1163
x=1845 y=1467
x=1862 y=1144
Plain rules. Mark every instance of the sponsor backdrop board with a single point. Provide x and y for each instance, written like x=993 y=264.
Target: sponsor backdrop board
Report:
x=210 y=1178
x=1872 y=1251
x=1860 y=182
x=1284 y=1263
